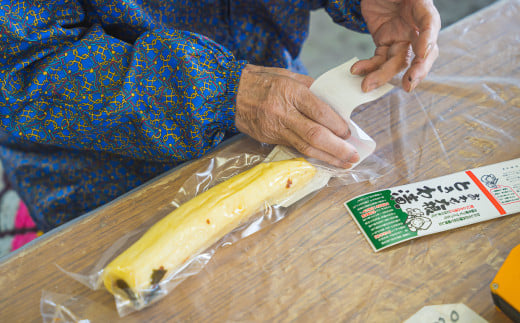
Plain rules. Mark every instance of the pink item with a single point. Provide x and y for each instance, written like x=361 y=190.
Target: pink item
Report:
x=23 y=220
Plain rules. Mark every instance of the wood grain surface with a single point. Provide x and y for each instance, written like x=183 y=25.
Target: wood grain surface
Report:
x=314 y=265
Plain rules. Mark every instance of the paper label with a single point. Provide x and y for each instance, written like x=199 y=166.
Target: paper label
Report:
x=401 y=213
x=446 y=313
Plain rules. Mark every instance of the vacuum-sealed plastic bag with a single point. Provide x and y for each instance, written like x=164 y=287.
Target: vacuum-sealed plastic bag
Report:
x=229 y=199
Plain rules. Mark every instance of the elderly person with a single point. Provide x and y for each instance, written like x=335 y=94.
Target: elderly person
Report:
x=98 y=96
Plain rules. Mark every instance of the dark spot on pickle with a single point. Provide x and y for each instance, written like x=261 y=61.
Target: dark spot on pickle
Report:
x=289 y=183
x=157 y=275
x=122 y=285
x=207 y=221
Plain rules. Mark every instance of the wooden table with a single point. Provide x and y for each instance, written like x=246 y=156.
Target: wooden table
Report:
x=314 y=265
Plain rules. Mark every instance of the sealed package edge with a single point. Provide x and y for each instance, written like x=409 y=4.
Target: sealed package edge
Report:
x=401 y=213
x=137 y=273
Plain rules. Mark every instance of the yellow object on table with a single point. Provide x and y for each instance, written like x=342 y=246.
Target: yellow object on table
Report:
x=505 y=288
x=199 y=223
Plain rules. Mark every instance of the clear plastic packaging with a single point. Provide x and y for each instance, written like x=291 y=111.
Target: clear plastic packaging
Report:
x=63 y=308
x=244 y=192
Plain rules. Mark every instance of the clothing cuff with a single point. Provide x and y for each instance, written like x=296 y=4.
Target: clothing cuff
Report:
x=235 y=69
x=348 y=14
x=360 y=24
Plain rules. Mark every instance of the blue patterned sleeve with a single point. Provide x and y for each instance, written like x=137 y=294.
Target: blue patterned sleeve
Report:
x=346 y=13
x=169 y=96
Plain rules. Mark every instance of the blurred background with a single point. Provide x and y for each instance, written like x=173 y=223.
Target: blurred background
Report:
x=329 y=45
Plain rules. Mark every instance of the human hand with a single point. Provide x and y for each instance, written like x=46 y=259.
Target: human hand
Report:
x=399 y=27
x=275 y=106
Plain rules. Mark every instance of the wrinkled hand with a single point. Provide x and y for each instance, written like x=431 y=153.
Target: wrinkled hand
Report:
x=275 y=106
x=398 y=27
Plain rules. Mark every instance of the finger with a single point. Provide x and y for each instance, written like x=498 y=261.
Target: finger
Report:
x=318 y=111
x=308 y=150
x=366 y=66
x=419 y=69
x=321 y=138
x=398 y=59
x=427 y=19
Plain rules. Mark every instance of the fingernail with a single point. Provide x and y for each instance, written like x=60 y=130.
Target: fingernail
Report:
x=354 y=158
x=357 y=71
x=428 y=49
x=346 y=165
x=411 y=81
x=414 y=84
x=371 y=86
x=349 y=133
x=345 y=135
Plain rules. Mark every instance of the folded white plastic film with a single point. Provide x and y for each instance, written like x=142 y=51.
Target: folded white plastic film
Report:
x=342 y=91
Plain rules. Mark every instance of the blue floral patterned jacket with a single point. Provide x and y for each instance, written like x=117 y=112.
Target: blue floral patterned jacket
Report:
x=98 y=96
